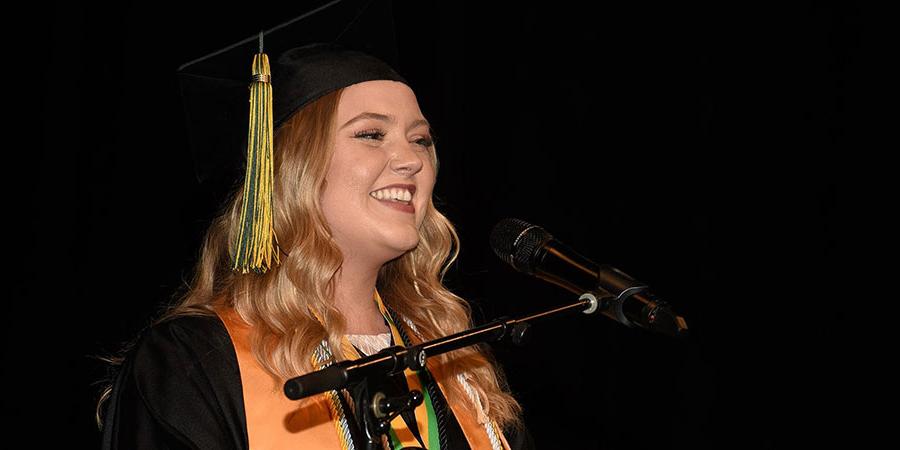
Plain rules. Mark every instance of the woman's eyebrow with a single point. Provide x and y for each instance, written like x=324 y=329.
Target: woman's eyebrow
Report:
x=384 y=118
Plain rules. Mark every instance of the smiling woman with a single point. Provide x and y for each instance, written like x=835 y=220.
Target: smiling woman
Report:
x=364 y=177
x=358 y=254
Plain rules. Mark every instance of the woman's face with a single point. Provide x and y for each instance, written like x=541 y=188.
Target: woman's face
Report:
x=381 y=139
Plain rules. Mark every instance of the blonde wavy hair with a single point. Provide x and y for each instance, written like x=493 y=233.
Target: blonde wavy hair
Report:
x=280 y=304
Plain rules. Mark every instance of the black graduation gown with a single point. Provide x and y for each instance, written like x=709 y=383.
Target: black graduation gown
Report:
x=180 y=388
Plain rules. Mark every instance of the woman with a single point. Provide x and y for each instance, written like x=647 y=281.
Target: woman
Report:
x=360 y=251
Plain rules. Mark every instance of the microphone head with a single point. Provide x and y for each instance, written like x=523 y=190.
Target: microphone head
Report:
x=516 y=242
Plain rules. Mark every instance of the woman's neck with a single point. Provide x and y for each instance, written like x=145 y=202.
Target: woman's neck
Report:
x=354 y=297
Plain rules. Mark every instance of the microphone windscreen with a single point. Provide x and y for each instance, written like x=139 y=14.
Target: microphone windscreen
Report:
x=516 y=242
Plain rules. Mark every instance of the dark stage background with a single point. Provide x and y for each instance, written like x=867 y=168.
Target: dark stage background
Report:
x=698 y=147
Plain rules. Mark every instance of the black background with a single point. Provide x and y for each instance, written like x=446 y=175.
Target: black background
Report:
x=702 y=148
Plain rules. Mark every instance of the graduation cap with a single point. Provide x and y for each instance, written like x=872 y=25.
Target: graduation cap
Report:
x=234 y=101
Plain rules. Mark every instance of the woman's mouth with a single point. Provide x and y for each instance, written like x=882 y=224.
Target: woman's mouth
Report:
x=399 y=205
x=397 y=197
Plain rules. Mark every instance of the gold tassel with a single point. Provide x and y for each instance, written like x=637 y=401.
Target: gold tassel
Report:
x=256 y=244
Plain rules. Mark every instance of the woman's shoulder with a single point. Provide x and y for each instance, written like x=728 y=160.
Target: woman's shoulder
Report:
x=184 y=344
x=180 y=382
x=193 y=330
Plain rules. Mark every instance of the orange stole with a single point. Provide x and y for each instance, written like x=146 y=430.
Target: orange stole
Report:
x=274 y=422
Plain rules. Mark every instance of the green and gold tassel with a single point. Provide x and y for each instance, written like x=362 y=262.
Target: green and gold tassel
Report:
x=256 y=244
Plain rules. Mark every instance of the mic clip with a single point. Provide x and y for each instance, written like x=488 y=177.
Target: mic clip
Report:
x=596 y=298
x=611 y=305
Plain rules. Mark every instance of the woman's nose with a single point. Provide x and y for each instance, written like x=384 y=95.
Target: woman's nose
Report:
x=406 y=160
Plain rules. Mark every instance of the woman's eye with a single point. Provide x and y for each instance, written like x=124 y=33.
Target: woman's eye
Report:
x=425 y=142
x=378 y=135
x=368 y=134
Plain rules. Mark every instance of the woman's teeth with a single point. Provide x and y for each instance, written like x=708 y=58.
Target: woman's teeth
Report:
x=393 y=194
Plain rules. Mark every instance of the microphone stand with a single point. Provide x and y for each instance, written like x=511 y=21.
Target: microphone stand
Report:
x=377 y=395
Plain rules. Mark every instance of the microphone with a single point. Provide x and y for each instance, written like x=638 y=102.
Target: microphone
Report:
x=532 y=250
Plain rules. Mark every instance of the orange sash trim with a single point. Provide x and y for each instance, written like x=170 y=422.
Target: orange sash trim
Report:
x=274 y=422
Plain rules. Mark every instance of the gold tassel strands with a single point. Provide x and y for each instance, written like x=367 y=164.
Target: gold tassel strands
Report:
x=256 y=245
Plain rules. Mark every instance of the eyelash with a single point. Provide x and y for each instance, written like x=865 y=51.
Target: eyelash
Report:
x=376 y=132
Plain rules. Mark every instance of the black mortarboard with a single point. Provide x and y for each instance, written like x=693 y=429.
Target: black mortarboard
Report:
x=232 y=112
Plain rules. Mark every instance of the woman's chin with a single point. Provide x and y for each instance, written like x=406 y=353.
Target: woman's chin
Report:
x=403 y=244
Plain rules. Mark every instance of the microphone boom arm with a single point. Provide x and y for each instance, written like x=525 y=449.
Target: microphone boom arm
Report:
x=396 y=359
